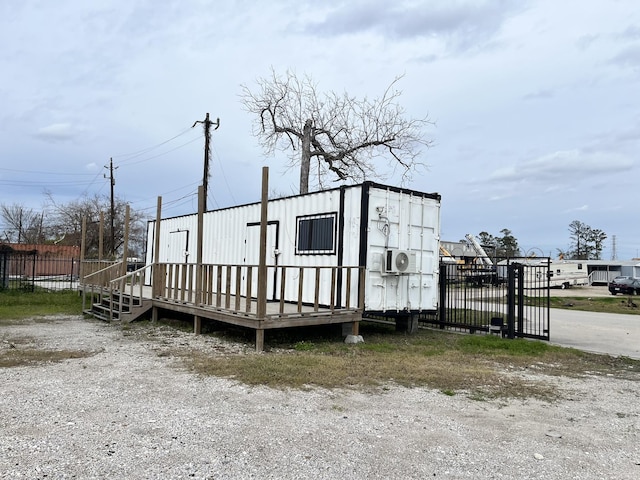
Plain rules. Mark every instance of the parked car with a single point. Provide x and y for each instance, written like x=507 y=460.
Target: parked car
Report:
x=625 y=285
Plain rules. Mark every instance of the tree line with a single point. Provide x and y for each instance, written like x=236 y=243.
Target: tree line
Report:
x=586 y=243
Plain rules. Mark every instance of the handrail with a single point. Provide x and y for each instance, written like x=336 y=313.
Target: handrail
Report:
x=103 y=270
x=130 y=274
x=123 y=284
x=102 y=283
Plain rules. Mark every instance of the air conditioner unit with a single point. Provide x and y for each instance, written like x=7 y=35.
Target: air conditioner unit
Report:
x=399 y=261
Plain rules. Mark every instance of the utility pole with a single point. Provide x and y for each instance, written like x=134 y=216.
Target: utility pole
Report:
x=207 y=150
x=614 y=254
x=113 y=207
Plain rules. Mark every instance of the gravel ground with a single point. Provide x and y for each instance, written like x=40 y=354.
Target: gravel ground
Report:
x=130 y=411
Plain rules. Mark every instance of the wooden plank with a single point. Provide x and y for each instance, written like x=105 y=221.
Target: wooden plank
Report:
x=247 y=299
x=227 y=295
x=200 y=237
x=219 y=285
x=332 y=302
x=161 y=278
x=262 y=263
x=238 y=285
x=189 y=285
x=300 y=289
x=169 y=281
x=283 y=281
x=156 y=253
x=259 y=340
x=183 y=281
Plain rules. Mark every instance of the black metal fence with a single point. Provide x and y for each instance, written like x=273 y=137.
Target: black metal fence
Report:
x=510 y=297
x=29 y=271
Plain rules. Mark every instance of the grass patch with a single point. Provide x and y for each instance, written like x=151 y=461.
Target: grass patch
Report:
x=478 y=366
x=18 y=305
x=23 y=350
x=612 y=304
x=16 y=356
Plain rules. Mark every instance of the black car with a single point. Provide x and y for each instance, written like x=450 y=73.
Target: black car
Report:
x=625 y=285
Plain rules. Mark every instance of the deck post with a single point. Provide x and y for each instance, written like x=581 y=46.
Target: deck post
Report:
x=199 y=245
x=125 y=245
x=261 y=310
x=155 y=272
x=259 y=339
x=155 y=277
x=197 y=320
x=100 y=240
x=83 y=244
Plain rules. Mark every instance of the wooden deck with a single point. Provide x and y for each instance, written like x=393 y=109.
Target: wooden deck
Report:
x=214 y=292
x=259 y=297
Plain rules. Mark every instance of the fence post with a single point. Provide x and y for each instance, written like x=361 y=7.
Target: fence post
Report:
x=520 y=277
x=511 y=300
x=442 y=310
x=83 y=245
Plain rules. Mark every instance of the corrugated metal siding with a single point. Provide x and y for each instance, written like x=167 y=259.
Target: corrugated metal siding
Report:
x=408 y=222
x=402 y=220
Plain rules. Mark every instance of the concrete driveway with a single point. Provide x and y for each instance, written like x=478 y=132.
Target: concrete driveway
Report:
x=610 y=333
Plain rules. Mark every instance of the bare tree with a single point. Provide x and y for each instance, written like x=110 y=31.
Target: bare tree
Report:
x=22 y=224
x=65 y=224
x=342 y=134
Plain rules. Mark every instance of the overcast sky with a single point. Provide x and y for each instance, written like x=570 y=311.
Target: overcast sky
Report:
x=536 y=103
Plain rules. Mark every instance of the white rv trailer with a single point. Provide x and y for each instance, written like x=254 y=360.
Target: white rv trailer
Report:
x=561 y=273
x=567 y=273
x=392 y=232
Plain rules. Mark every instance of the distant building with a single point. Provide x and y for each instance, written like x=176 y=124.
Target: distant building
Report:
x=44 y=250
x=600 y=272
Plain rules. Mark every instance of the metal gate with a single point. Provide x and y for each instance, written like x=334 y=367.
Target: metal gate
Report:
x=511 y=297
x=28 y=271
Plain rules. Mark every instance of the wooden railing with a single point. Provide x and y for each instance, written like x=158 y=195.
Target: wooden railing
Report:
x=99 y=272
x=235 y=287
x=98 y=281
x=129 y=286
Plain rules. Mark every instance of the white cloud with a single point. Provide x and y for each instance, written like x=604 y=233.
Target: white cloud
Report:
x=56 y=132
x=563 y=167
x=462 y=24
x=582 y=208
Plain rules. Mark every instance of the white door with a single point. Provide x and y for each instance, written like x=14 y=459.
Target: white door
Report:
x=178 y=247
x=252 y=257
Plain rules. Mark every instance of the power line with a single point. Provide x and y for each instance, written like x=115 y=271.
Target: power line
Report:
x=148 y=149
x=33 y=183
x=161 y=154
x=31 y=172
x=224 y=177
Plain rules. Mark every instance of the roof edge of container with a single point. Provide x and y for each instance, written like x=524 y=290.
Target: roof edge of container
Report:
x=366 y=184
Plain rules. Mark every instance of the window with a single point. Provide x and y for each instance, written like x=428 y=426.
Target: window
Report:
x=316 y=234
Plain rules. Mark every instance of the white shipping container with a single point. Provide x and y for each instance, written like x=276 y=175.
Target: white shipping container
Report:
x=392 y=232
